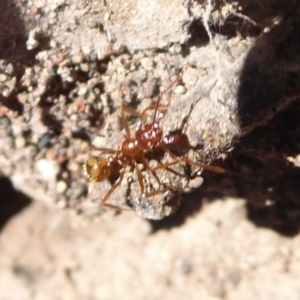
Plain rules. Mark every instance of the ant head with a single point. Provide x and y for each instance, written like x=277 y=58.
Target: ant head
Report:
x=97 y=169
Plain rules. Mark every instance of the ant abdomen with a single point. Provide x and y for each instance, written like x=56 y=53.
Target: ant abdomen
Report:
x=176 y=142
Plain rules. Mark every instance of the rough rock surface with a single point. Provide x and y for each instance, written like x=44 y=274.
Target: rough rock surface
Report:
x=66 y=67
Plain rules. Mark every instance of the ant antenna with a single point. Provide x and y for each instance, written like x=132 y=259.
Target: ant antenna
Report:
x=179 y=77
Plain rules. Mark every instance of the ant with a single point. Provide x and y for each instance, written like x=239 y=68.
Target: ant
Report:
x=148 y=140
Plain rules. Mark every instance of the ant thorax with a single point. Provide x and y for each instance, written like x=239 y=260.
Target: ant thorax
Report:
x=149 y=136
x=130 y=148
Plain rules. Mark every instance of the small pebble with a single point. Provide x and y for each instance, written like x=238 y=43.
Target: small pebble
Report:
x=175 y=49
x=32 y=42
x=147 y=63
x=44 y=142
x=47 y=168
x=77 y=58
x=82 y=90
x=107 y=16
x=61 y=186
x=20 y=142
x=179 y=89
x=74 y=166
x=99 y=142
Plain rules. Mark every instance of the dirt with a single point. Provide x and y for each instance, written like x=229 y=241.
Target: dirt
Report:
x=65 y=70
x=212 y=255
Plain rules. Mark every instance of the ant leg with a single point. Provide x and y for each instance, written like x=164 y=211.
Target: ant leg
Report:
x=147 y=167
x=174 y=82
x=152 y=107
x=158 y=102
x=190 y=162
x=111 y=190
x=104 y=150
x=157 y=192
x=152 y=171
x=153 y=193
x=166 y=166
x=186 y=160
x=215 y=169
x=129 y=111
x=140 y=178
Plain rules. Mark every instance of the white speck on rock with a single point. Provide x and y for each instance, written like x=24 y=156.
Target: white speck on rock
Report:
x=61 y=186
x=48 y=169
x=99 y=142
x=20 y=142
x=32 y=42
x=180 y=89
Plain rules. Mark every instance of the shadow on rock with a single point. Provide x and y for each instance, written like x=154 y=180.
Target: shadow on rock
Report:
x=12 y=201
x=13 y=50
x=13 y=37
x=262 y=170
x=265 y=169
x=270 y=78
x=191 y=203
x=260 y=164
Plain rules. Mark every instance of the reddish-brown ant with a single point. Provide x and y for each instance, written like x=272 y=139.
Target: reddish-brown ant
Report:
x=113 y=167
x=148 y=139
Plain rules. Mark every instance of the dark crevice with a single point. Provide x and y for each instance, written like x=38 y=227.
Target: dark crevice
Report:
x=198 y=33
x=191 y=203
x=13 y=49
x=248 y=19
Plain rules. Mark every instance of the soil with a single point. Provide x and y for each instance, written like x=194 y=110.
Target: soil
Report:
x=66 y=68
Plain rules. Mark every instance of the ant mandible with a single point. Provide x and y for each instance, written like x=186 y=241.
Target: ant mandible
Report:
x=135 y=150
